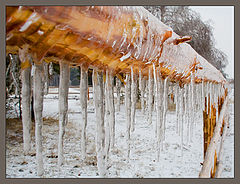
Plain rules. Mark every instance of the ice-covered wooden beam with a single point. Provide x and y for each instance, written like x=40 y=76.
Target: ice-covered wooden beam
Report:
x=106 y=37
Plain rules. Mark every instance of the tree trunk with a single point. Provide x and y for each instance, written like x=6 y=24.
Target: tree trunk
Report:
x=63 y=107
x=38 y=108
x=83 y=100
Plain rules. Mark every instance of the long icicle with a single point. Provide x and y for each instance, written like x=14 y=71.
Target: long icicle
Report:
x=159 y=114
x=100 y=136
x=150 y=96
x=133 y=98
x=192 y=125
x=63 y=107
x=165 y=105
x=38 y=109
x=154 y=89
x=111 y=108
x=176 y=99
x=128 y=110
x=46 y=78
x=107 y=116
x=155 y=97
x=26 y=96
x=118 y=89
x=142 y=90
x=181 y=96
x=83 y=102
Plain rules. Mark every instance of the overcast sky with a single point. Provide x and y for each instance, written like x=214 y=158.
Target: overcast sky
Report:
x=222 y=21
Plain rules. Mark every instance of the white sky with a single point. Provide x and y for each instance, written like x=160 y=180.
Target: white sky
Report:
x=222 y=21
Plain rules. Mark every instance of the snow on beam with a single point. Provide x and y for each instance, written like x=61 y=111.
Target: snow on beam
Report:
x=83 y=101
x=63 y=107
x=115 y=38
x=26 y=98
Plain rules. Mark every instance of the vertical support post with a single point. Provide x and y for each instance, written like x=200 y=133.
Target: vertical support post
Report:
x=38 y=108
x=26 y=99
x=63 y=107
x=83 y=102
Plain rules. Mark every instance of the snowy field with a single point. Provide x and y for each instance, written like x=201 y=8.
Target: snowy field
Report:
x=173 y=163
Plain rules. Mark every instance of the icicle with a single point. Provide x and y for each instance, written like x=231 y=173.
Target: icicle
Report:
x=118 y=86
x=154 y=87
x=38 y=108
x=50 y=68
x=142 y=89
x=207 y=93
x=107 y=116
x=100 y=136
x=176 y=99
x=133 y=99
x=150 y=96
x=165 y=105
x=46 y=78
x=155 y=96
x=111 y=108
x=211 y=96
x=63 y=107
x=181 y=96
x=94 y=74
x=192 y=111
x=158 y=109
x=203 y=97
x=83 y=102
x=128 y=110
x=26 y=98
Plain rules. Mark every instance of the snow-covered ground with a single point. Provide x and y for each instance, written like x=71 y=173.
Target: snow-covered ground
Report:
x=143 y=162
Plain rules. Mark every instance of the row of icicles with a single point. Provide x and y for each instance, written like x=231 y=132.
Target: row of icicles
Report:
x=155 y=92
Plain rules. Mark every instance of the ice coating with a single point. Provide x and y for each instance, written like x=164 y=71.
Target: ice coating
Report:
x=105 y=37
